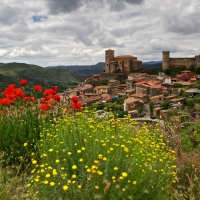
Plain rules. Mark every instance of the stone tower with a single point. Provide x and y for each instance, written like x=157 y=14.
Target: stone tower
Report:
x=197 y=61
x=109 y=56
x=165 y=60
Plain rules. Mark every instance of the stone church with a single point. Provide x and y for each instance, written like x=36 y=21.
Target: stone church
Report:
x=124 y=64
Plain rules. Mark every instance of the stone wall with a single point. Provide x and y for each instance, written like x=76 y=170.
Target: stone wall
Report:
x=115 y=76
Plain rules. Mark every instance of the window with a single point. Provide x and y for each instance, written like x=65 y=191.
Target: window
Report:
x=160 y=99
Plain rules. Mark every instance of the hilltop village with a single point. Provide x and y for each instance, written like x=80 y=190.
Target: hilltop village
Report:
x=141 y=94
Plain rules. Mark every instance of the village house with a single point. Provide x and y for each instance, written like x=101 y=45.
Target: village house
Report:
x=133 y=104
x=113 y=83
x=103 y=89
x=186 y=76
x=157 y=99
x=93 y=78
x=85 y=88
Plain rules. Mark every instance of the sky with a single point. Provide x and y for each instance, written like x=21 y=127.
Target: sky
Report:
x=77 y=32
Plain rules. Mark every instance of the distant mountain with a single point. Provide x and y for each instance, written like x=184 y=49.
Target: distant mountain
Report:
x=150 y=64
x=47 y=77
x=83 y=69
x=98 y=68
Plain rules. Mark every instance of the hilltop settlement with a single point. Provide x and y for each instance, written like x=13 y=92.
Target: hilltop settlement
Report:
x=141 y=94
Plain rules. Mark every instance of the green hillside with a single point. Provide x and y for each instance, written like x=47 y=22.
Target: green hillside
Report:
x=13 y=72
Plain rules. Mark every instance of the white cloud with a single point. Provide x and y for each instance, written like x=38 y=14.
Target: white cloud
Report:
x=79 y=31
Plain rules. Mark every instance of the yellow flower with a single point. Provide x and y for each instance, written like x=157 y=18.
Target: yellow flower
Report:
x=50 y=150
x=46 y=182
x=62 y=168
x=47 y=175
x=123 y=189
x=79 y=186
x=57 y=161
x=104 y=158
x=65 y=187
x=73 y=176
x=69 y=153
x=100 y=156
x=134 y=182
x=52 y=183
x=96 y=187
x=25 y=144
x=121 y=177
x=115 y=168
x=74 y=167
x=81 y=160
x=124 y=174
x=125 y=149
x=79 y=151
x=83 y=148
x=34 y=162
x=96 y=161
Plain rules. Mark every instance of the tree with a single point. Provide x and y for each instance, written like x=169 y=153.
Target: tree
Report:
x=168 y=72
x=197 y=70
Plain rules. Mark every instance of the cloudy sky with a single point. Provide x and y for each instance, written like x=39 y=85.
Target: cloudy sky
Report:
x=73 y=32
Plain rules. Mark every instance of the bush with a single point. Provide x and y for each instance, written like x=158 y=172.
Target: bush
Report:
x=90 y=158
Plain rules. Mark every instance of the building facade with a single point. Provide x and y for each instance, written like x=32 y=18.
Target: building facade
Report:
x=120 y=64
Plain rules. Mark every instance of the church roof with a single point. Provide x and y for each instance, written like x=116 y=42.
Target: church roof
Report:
x=125 y=57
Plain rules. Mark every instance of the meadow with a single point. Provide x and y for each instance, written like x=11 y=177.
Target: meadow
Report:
x=55 y=150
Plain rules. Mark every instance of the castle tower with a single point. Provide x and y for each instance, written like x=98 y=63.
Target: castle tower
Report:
x=109 y=56
x=165 y=60
x=197 y=61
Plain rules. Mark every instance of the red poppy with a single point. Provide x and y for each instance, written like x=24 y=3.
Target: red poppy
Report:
x=5 y=101
x=38 y=88
x=47 y=98
x=23 y=82
x=57 y=98
x=44 y=107
x=77 y=106
x=49 y=92
x=55 y=88
x=26 y=99
x=74 y=99
x=11 y=87
x=18 y=92
x=42 y=100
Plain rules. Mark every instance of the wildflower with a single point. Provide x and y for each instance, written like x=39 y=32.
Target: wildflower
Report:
x=134 y=182
x=55 y=88
x=34 y=162
x=46 y=182
x=124 y=174
x=69 y=153
x=104 y=158
x=77 y=106
x=81 y=160
x=57 y=98
x=44 y=107
x=79 y=151
x=52 y=183
x=65 y=187
x=5 y=101
x=57 y=161
x=74 y=167
x=74 y=100
x=79 y=186
x=25 y=144
x=49 y=92
x=23 y=82
x=47 y=175
x=38 y=88
x=73 y=176
x=96 y=187
x=115 y=168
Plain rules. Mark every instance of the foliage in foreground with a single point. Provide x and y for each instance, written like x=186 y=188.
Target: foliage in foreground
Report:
x=83 y=157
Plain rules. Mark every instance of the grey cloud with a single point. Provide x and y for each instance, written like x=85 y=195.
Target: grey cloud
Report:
x=64 y=6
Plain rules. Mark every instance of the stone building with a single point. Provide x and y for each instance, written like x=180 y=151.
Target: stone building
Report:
x=168 y=62
x=120 y=64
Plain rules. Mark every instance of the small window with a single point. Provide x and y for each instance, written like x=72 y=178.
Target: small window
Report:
x=160 y=99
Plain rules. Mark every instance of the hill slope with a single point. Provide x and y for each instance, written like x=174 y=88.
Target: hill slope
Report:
x=98 y=68
x=13 y=72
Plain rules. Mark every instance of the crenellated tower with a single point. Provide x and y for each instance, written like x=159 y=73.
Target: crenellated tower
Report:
x=165 y=59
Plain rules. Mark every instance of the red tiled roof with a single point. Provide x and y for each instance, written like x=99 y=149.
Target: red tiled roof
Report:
x=155 y=86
